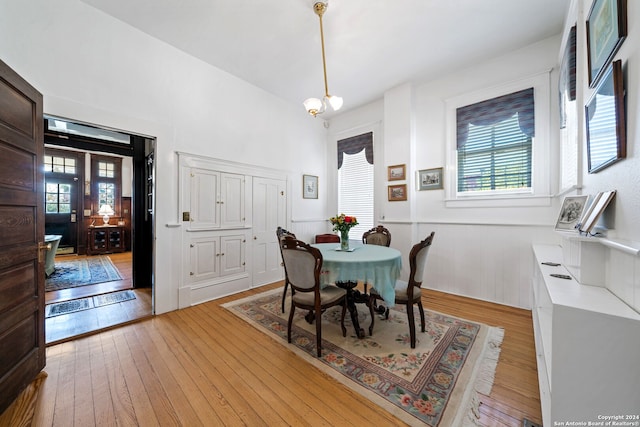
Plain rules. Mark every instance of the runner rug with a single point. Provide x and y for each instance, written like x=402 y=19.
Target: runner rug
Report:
x=435 y=384
x=74 y=272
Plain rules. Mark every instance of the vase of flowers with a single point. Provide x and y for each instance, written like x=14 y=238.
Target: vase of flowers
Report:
x=343 y=224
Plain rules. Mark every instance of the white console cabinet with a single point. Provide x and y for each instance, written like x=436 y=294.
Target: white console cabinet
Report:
x=587 y=343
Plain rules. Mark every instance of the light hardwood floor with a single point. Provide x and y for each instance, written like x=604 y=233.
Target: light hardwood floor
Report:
x=74 y=325
x=204 y=366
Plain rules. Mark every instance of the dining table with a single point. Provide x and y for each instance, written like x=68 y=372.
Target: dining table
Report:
x=377 y=266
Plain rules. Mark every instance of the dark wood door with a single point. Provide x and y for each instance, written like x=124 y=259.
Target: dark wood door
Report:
x=22 y=345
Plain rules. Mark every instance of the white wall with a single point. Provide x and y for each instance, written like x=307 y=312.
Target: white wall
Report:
x=93 y=68
x=479 y=252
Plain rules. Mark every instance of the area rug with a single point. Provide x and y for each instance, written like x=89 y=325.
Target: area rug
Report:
x=72 y=306
x=435 y=384
x=74 y=272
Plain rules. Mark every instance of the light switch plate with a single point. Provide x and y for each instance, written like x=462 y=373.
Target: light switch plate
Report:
x=87 y=212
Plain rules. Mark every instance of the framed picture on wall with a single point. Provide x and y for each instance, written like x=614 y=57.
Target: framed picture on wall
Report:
x=606 y=30
x=430 y=179
x=571 y=212
x=397 y=193
x=396 y=173
x=309 y=187
x=605 y=118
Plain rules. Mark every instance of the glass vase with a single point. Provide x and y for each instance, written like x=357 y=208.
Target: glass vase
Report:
x=344 y=240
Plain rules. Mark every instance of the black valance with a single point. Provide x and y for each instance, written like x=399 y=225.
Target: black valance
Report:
x=496 y=110
x=354 y=145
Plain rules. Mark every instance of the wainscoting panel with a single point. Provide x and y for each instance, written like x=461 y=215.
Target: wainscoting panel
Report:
x=484 y=261
x=306 y=229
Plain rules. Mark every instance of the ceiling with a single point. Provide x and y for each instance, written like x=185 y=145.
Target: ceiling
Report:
x=371 y=46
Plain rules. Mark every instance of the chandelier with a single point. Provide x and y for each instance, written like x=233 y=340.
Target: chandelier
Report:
x=315 y=106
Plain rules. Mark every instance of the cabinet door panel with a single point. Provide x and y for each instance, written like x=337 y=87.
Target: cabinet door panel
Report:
x=204 y=203
x=204 y=255
x=232 y=254
x=231 y=200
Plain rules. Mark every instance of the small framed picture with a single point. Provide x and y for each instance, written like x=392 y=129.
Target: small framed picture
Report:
x=396 y=173
x=397 y=193
x=309 y=187
x=571 y=213
x=430 y=179
x=606 y=30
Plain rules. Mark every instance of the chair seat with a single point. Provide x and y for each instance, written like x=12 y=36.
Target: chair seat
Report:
x=328 y=295
x=401 y=292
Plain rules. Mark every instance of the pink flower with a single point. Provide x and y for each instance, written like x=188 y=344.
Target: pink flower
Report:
x=405 y=400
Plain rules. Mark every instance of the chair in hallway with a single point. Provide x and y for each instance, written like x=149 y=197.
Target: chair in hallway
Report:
x=409 y=293
x=281 y=233
x=303 y=264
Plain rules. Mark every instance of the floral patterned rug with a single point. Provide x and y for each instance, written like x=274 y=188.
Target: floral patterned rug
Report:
x=73 y=272
x=434 y=384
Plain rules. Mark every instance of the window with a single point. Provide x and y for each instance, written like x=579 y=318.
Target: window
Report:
x=494 y=143
x=355 y=181
x=105 y=183
x=59 y=164
x=57 y=198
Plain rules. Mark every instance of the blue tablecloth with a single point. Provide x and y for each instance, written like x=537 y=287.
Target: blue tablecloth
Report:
x=379 y=266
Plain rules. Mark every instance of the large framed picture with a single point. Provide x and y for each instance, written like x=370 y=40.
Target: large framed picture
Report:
x=571 y=212
x=605 y=119
x=397 y=193
x=606 y=30
x=309 y=187
x=396 y=173
x=430 y=179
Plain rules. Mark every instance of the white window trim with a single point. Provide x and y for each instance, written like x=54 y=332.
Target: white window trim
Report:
x=540 y=193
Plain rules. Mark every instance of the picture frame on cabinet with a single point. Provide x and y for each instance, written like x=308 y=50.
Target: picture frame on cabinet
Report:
x=397 y=193
x=430 y=179
x=309 y=187
x=396 y=173
x=605 y=121
x=571 y=213
x=606 y=31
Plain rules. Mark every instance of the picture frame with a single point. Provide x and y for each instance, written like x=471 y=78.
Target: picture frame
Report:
x=430 y=179
x=571 y=213
x=396 y=173
x=599 y=204
x=605 y=121
x=606 y=31
x=397 y=193
x=309 y=187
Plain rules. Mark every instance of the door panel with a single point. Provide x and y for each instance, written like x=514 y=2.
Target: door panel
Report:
x=269 y=212
x=22 y=230
x=61 y=210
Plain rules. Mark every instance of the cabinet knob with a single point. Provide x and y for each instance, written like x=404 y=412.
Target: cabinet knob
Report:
x=222 y=254
x=255 y=237
x=191 y=273
x=191 y=245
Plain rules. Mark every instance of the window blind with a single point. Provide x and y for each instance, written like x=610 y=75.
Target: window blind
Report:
x=495 y=143
x=355 y=181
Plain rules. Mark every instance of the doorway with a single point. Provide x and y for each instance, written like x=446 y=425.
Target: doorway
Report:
x=99 y=202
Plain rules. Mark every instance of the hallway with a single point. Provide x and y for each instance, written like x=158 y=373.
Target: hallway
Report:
x=81 y=323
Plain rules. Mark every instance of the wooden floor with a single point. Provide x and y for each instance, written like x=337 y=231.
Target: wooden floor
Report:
x=204 y=366
x=73 y=325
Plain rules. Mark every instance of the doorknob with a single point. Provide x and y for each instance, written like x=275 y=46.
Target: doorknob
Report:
x=41 y=248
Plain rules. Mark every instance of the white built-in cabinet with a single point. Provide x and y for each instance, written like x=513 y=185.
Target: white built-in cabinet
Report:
x=587 y=339
x=219 y=232
x=216 y=199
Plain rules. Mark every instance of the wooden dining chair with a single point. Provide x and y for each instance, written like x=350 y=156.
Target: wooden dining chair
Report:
x=303 y=264
x=376 y=236
x=409 y=293
x=281 y=233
